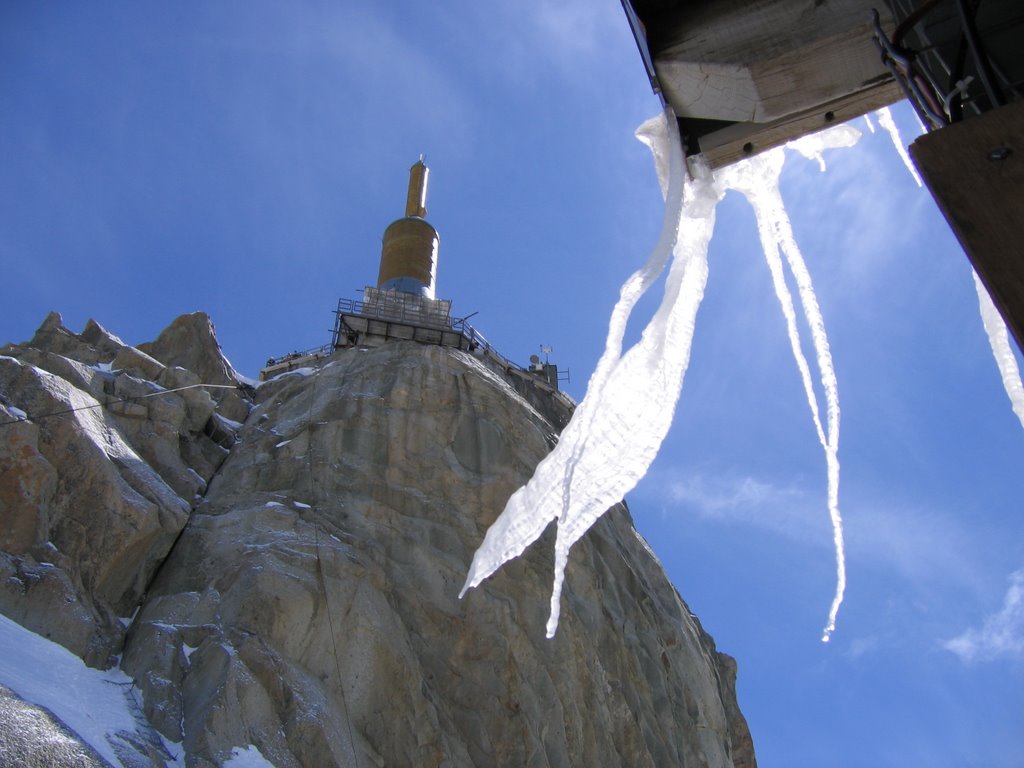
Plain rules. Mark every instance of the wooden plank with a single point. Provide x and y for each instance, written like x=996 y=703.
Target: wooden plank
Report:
x=744 y=31
x=741 y=140
x=975 y=171
x=764 y=60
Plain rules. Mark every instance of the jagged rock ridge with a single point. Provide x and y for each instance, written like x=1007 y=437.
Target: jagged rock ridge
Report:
x=292 y=557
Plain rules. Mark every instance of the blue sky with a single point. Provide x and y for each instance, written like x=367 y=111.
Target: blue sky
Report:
x=244 y=159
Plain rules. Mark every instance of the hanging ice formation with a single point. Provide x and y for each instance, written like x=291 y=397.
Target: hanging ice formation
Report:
x=999 y=340
x=889 y=125
x=618 y=428
x=758 y=180
x=811 y=146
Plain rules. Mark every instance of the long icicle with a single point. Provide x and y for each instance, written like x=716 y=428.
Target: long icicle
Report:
x=516 y=528
x=999 y=340
x=652 y=371
x=889 y=125
x=616 y=431
x=758 y=180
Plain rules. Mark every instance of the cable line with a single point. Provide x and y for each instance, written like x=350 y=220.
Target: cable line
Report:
x=107 y=402
x=320 y=568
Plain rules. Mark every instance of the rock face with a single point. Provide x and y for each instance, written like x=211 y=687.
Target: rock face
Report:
x=93 y=497
x=309 y=606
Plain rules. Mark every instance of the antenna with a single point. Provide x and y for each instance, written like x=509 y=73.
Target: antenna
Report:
x=416 y=200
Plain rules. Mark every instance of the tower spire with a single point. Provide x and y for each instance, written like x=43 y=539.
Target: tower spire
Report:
x=408 y=259
x=416 y=201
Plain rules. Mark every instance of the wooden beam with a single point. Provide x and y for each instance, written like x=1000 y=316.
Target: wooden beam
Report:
x=760 y=61
x=740 y=140
x=975 y=171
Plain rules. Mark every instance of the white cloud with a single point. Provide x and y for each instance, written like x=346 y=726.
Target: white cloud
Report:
x=574 y=28
x=786 y=510
x=574 y=40
x=722 y=496
x=862 y=646
x=1001 y=634
x=926 y=545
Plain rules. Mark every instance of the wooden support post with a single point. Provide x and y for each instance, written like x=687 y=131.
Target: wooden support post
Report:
x=975 y=171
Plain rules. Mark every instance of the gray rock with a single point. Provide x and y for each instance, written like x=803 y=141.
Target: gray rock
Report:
x=94 y=345
x=190 y=342
x=97 y=484
x=310 y=606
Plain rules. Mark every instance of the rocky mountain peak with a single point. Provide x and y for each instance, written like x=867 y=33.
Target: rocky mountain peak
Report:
x=280 y=567
x=190 y=342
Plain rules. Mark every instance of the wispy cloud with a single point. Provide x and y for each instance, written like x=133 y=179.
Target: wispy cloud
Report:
x=925 y=545
x=863 y=646
x=1001 y=634
x=574 y=28
x=722 y=496
x=785 y=509
x=577 y=41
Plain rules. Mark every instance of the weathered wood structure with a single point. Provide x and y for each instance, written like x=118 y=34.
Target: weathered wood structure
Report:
x=745 y=75
x=975 y=171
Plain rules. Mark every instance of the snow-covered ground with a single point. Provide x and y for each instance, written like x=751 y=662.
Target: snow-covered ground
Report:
x=250 y=757
x=91 y=703
x=96 y=705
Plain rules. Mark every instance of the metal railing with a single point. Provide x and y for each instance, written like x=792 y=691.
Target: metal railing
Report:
x=413 y=310
x=417 y=311
x=322 y=351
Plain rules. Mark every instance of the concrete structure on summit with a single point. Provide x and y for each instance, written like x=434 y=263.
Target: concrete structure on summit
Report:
x=403 y=307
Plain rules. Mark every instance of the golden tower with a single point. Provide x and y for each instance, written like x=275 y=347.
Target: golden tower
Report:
x=408 y=259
